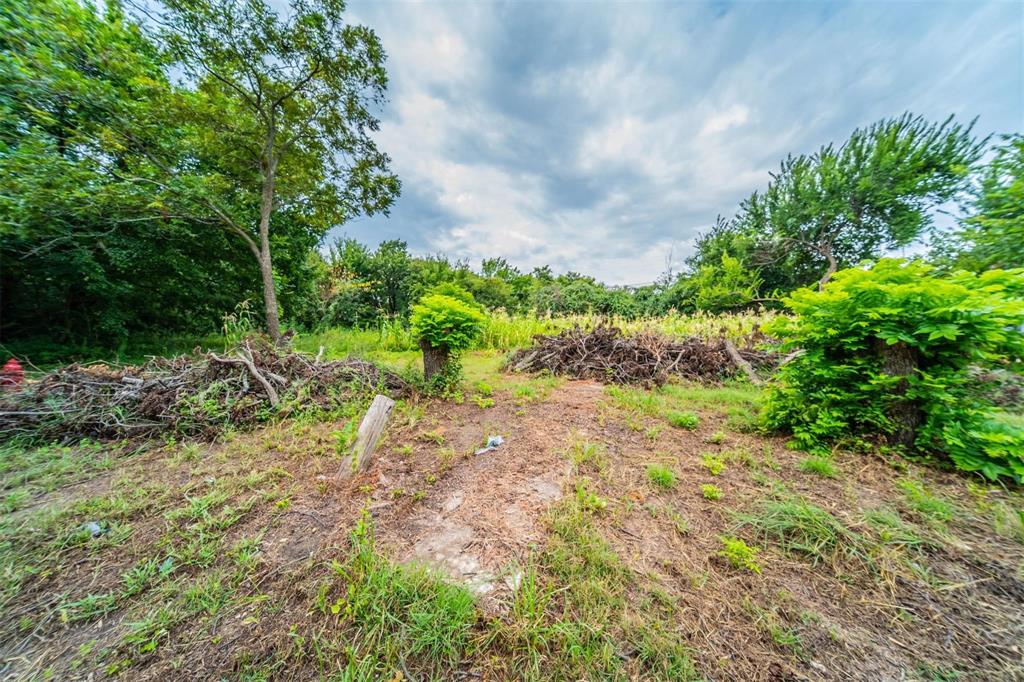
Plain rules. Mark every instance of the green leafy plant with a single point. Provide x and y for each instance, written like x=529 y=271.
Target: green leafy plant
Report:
x=711 y=491
x=739 y=554
x=887 y=350
x=713 y=464
x=444 y=327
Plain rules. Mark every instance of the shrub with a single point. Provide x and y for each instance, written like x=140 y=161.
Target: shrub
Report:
x=444 y=327
x=888 y=350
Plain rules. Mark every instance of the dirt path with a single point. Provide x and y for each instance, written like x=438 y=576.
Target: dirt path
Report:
x=480 y=519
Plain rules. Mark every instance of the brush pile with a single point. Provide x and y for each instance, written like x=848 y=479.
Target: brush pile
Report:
x=648 y=358
x=198 y=395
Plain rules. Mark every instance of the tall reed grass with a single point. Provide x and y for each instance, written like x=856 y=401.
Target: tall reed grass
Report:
x=504 y=332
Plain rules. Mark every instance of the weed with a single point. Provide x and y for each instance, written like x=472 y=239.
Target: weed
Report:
x=436 y=436
x=739 y=554
x=683 y=420
x=710 y=491
x=661 y=476
x=87 y=608
x=717 y=438
x=797 y=525
x=924 y=503
x=588 y=499
x=816 y=464
x=713 y=464
x=482 y=402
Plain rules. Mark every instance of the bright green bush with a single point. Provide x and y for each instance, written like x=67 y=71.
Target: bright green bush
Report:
x=446 y=322
x=840 y=387
x=444 y=327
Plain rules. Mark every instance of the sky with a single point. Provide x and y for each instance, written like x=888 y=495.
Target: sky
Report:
x=604 y=137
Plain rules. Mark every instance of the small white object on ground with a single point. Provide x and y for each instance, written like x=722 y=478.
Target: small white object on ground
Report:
x=492 y=444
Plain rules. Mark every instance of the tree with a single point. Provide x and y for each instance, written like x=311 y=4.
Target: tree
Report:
x=281 y=115
x=995 y=230
x=444 y=327
x=75 y=236
x=842 y=205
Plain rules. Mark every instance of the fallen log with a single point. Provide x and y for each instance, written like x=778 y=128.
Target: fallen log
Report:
x=742 y=364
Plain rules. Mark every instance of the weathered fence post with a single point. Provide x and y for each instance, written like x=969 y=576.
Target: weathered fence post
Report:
x=370 y=430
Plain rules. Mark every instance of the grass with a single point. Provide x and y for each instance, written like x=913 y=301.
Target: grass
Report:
x=661 y=476
x=819 y=466
x=569 y=618
x=683 y=420
x=586 y=454
x=392 y=612
x=931 y=507
x=797 y=525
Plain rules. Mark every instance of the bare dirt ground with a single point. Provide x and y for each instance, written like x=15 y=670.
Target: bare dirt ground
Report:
x=937 y=596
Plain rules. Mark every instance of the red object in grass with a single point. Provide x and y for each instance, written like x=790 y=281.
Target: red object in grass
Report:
x=12 y=374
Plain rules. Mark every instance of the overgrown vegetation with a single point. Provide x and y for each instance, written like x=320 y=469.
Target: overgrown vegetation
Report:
x=889 y=349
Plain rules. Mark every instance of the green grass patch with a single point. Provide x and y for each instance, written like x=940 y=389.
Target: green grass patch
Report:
x=661 y=476
x=797 y=525
x=819 y=466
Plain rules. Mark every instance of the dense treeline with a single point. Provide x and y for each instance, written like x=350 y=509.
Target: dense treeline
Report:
x=151 y=173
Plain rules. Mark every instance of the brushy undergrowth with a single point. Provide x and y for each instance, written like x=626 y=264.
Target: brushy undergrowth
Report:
x=889 y=350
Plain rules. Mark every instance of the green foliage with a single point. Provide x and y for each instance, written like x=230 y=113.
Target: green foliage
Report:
x=446 y=322
x=710 y=491
x=994 y=231
x=683 y=420
x=822 y=466
x=726 y=284
x=840 y=387
x=739 y=554
x=661 y=476
x=845 y=204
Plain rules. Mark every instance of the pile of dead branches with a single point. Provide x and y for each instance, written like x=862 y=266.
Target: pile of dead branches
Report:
x=648 y=358
x=197 y=395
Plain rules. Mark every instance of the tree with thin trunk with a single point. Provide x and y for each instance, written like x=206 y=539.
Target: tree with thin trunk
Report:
x=875 y=192
x=279 y=110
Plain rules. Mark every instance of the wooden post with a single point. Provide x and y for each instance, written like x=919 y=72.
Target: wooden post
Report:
x=370 y=430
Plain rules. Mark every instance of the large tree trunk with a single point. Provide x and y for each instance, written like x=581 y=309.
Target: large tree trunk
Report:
x=266 y=264
x=434 y=359
x=900 y=360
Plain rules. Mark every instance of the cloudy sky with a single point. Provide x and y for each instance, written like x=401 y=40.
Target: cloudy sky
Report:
x=600 y=137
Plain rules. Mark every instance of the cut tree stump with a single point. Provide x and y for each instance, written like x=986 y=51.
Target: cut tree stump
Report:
x=370 y=430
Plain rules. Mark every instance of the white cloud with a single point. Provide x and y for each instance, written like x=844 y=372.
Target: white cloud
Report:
x=735 y=115
x=599 y=138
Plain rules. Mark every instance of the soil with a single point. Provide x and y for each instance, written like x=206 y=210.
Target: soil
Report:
x=478 y=518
